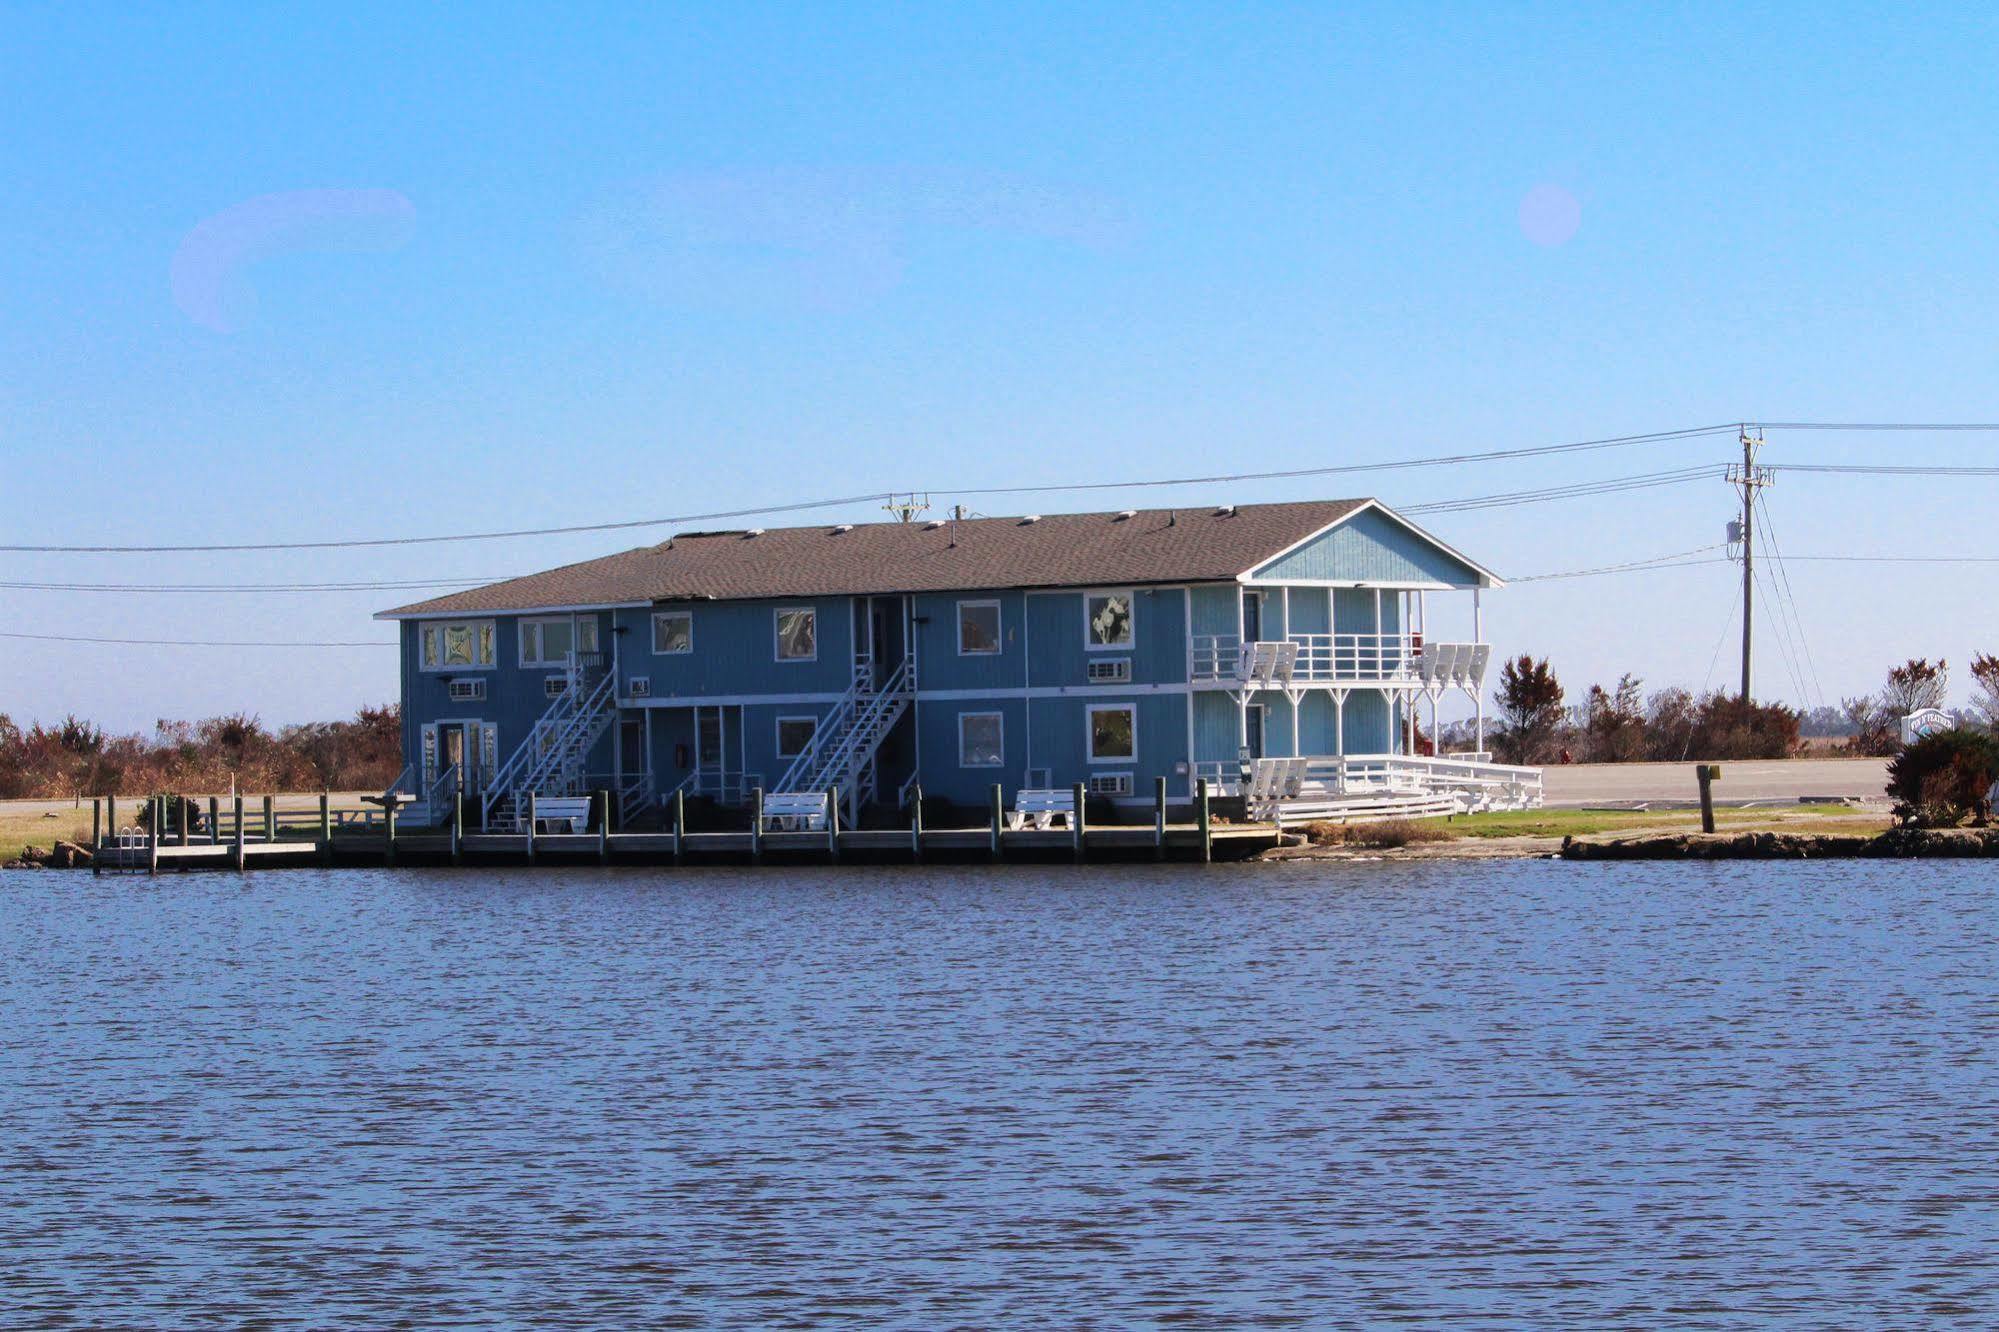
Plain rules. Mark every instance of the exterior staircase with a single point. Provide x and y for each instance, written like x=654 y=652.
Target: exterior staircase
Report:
x=551 y=760
x=842 y=754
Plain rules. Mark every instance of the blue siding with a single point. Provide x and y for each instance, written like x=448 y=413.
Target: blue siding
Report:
x=735 y=650
x=1055 y=638
x=942 y=774
x=1214 y=608
x=1371 y=548
x=1311 y=610
x=938 y=664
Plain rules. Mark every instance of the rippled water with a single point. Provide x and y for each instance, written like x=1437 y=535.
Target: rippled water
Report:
x=1522 y=1094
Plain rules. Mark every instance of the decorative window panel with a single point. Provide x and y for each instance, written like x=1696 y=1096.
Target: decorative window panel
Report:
x=978 y=628
x=797 y=634
x=981 y=740
x=672 y=633
x=1107 y=619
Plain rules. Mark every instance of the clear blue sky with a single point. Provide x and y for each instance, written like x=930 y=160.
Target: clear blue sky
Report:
x=309 y=273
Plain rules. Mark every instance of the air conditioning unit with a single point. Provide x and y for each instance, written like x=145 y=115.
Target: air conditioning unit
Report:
x=553 y=685
x=467 y=691
x=1115 y=670
x=640 y=687
x=1111 y=784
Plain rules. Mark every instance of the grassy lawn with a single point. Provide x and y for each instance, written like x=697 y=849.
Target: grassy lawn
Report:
x=1581 y=822
x=20 y=828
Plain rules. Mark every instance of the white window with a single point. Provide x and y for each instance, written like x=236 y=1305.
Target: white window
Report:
x=978 y=628
x=464 y=645
x=672 y=632
x=1113 y=733
x=549 y=642
x=1107 y=620
x=794 y=735
x=797 y=634
x=981 y=740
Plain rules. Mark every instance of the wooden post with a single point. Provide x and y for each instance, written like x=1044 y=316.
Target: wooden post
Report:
x=96 y=825
x=389 y=823
x=458 y=829
x=111 y=816
x=833 y=824
x=158 y=811
x=531 y=822
x=214 y=821
x=270 y=818
x=1076 y=819
x=1705 y=774
x=1201 y=811
x=1159 y=818
x=756 y=825
x=679 y=824
x=603 y=827
x=916 y=823
x=325 y=828
x=994 y=804
x=236 y=837
x=181 y=805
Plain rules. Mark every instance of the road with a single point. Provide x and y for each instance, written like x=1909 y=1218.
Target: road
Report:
x=1786 y=780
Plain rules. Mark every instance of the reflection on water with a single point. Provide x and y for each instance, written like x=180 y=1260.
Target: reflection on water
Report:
x=1519 y=1094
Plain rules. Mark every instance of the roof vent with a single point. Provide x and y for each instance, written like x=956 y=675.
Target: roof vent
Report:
x=1226 y=511
x=933 y=524
x=1031 y=518
x=842 y=528
x=753 y=532
x=1124 y=514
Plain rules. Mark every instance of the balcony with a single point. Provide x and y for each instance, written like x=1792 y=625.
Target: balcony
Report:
x=1303 y=660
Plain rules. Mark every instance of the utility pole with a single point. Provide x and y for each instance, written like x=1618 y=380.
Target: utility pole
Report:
x=1748 y=478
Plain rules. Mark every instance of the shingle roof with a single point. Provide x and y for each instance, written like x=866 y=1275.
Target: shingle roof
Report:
x=1059 y=550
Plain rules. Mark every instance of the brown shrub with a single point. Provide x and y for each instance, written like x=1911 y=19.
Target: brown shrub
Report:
x=1383 y=835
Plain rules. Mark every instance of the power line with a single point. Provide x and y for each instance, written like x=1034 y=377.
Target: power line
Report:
x=1790 y=599
x=251 y=587
x=1677 y=560
x=188 y=642
x=1496 y=455
x=1642 y=481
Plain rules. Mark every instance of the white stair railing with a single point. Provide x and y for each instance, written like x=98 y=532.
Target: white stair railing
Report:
x=843 y=750
x=550 y=760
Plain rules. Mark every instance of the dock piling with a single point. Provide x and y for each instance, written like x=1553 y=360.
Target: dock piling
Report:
x=1207 y=830
x=389 y=831
x=531 y=822
x=994 y=804
x=270 y=818
x=603 y=827
x=214 y=821
x=756 y=825
x=833 y=824
x=679 y=824
x=458 y=829
x=181 y=821
x=325 y=828
x=237 y=858
x=1077 y=820
x=1159 y=818
x=158 y=809
x=916 y=823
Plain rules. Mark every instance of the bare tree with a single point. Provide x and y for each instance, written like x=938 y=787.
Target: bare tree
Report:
x=1985 y=674
x=1915 y=685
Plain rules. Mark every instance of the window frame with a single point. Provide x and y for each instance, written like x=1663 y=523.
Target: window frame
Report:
x=442 y=667
x=537 y=622
x=999 y=626
x=777 y=732
x=777 y=615
x=686 y=615
x=1130 y=643
x=998 y=716
x=1090 y=733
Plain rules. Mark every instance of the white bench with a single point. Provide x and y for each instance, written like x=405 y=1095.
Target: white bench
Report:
x=795 y=811
x=1041 y=809
x=573 y=811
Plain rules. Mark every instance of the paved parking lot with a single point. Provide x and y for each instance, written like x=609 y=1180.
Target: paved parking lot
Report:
x=1787 y=780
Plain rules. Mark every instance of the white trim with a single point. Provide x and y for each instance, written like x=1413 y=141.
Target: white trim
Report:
x=487 y=614
x=1130 y=595
x=997 y=715
x=1090 y=726
x=999 y=626
x=1353 y=584
x=777 y=613
x=777 y=732
x=659 y=700
x=652 y=627
x=444 y=668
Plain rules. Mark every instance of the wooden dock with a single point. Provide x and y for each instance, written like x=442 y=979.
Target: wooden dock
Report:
x=271 y=843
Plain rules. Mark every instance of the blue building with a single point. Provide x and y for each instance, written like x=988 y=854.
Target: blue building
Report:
x=1102 y=649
